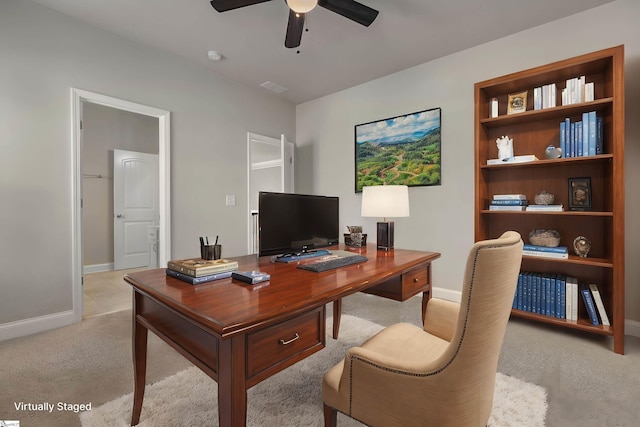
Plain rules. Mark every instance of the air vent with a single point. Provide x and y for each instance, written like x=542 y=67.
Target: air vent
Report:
x=273 y=87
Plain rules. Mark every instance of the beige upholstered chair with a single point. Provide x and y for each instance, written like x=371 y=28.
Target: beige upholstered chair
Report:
x=442 y=375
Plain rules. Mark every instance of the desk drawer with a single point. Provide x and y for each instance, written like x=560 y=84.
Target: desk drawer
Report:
x=276 y=347
x=414 y=281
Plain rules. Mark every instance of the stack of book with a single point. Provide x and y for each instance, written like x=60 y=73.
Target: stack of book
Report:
x=508 y=202
x=545 y=251
x=583 y=137
x=577 y=91
x=558 y=295
x=545 y=208
x=198 y=270
x=544 y=96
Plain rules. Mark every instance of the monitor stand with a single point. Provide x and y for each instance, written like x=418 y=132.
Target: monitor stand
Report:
x=304 y=254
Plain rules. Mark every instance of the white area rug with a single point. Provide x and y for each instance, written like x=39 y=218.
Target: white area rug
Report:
x=292 y=397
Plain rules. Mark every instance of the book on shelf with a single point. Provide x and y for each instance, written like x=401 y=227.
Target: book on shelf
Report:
x=541 y=293
x=589 y=304
x=509 y=197
x=526 y=158
x=544 y=96
x=536 y=251
x=577 y=90
x=583 y=137
x=545 y=208
x=198 y=267
x=538 y=248
x=597 y=298
x=197 y=280
x=493 y=207
x=509 y=202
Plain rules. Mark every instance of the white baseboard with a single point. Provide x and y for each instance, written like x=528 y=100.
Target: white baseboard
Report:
x=447 y=294
x=34 y=325
x=97 y=268
x=632 y=328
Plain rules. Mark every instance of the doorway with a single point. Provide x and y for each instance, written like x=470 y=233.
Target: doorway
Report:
x=79 y=99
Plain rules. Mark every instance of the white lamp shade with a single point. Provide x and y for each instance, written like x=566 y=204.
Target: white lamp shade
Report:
x=302 y=6
x=385 y=201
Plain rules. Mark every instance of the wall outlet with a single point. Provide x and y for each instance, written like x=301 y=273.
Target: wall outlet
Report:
x=230 y=200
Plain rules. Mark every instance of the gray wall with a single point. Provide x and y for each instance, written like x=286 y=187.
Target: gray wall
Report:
x=105 y=129
x=43 y=55
x=442 y=216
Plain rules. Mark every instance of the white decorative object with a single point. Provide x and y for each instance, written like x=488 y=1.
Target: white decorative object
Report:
x=494 y=107
x=505 y=147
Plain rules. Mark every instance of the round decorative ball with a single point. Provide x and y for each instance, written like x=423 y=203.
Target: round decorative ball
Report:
x=552 y=152
x=581 y=246
x=544 y=198
x=548 y=238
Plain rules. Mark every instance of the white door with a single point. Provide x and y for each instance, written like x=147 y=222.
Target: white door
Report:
x=270 y=167
x=135 y=204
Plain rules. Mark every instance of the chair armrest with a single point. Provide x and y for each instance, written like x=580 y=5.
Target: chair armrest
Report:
x=441 y=318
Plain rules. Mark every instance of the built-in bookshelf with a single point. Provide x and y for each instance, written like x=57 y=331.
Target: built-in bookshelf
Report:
x=532 y=131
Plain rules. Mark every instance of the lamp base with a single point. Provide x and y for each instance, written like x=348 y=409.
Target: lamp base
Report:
x=385 y=235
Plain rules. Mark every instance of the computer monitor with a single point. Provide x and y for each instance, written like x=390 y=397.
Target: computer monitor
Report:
x=293 y=223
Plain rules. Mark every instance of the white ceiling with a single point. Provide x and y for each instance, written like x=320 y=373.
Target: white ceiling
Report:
x=335 y=53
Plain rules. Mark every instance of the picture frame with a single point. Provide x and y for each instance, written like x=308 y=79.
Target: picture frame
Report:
x=580 y=194
x=400 y=150
x=517 y=103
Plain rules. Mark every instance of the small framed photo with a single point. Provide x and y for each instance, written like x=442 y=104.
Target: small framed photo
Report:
x=517 y=103
x=580 y=194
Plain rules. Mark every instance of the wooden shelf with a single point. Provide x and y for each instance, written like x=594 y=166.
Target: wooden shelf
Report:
x=547 y=113
x=582 y=325
x=532 y=131
x=551 y=162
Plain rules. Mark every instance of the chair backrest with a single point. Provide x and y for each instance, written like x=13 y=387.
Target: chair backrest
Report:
x=489 y=286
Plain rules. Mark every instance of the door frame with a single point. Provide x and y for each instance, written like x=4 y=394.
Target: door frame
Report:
x=79 y=96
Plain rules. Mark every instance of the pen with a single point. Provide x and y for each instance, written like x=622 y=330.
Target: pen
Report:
x=216 y=241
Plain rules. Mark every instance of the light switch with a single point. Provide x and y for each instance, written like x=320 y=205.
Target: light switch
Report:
x=231 y=200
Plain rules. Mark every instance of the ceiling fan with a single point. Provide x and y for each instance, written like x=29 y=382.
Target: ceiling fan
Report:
x=298 y=8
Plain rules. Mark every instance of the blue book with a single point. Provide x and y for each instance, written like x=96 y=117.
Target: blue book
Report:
x=519 y=292
x=198 y=280
x=509 y=202
x=585 y=134
x=555 y=249
x=561 y=291
x=592 y=133
x=572 y=140
x=546 y=296
x=579 y=144
x=567 y=138
x=599 y=136
x=535 y=295
x=563 y=140
x=552 y=296
x=588 y=302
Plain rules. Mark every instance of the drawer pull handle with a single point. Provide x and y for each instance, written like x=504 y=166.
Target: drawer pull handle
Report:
x=415 y=280
x=286 y=342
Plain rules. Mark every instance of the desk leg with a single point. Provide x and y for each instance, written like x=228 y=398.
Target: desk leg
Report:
x=337 y=312
x=425 y=300
x=232 y=391
x=139 y=368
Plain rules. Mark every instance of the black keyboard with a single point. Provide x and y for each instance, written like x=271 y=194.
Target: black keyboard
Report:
x=330 y=264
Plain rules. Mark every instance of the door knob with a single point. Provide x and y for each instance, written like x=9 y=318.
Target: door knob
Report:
x=119 y=216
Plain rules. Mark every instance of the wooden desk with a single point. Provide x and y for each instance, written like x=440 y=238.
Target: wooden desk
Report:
x=241 y=334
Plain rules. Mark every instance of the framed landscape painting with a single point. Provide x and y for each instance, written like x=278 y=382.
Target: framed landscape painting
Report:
x=402 y=150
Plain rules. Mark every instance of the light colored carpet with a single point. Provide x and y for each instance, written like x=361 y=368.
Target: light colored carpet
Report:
x=292 y=397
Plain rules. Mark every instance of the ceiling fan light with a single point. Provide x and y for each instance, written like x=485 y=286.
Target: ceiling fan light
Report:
x=302 y=6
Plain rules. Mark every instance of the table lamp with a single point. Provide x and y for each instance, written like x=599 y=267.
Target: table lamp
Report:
x=385 y=201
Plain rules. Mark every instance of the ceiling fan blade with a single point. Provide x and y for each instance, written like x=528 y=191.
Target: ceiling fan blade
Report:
x=224 y=5
x=351 y=9
x=294 y=29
